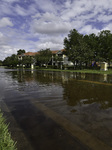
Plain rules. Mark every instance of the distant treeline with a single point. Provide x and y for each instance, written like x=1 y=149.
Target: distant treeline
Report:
x=81 y=49
x=0 y=62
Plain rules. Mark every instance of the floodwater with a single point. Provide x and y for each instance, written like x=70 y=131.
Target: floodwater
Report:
x=57 y=110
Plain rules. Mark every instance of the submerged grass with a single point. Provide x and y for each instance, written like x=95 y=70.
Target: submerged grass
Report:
x=82 y=71
x=6 y=143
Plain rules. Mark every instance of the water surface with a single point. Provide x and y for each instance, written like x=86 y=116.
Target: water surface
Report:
x=83 y=99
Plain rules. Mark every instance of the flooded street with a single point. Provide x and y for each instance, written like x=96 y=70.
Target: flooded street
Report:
x=57 y=110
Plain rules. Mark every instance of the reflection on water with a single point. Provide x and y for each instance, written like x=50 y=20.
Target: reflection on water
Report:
x=84 y=99
x=75 y=92
x=87 y=93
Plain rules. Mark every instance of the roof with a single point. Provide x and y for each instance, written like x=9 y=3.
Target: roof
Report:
x=34 y=53
x=30 y=53
x=56 y=51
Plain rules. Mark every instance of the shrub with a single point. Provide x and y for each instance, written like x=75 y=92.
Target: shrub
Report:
x=6 y=143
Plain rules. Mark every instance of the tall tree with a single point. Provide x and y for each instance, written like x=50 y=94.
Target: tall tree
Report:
x=1 y=62
x=27 y=61
x=105 y=43
x=44 y=56
x=11 y=61
x=76 y=48
x=20 y=51
x=71 y=45
x=93 y=47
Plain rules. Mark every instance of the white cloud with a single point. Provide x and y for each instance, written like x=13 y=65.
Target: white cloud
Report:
x=5 y=22
x=6 y=9
x=1 y=35
x=37 y=15
x=6 y=51
x=11 y=40
x=49 y=23
x=3 y=39
x=104 y=18
x=20 y=11
x=51 y=45
x=47 y=5
x=25 y=12
x=45 y=23
x=88 y=29
x=84 y=8
x=76 y=9
x=108 y=27
x=10 y=1
x=51 y=27
x=5 y=48
x=68 y=4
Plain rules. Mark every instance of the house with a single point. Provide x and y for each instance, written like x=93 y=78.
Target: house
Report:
x=58 y=58
x=31 y=54
x=29 y=61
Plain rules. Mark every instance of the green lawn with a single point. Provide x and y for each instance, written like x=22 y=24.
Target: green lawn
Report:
x=6 y=143
x=82 y=71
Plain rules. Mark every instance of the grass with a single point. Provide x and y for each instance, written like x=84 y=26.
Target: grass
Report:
x=82 y=71
x=6 y=143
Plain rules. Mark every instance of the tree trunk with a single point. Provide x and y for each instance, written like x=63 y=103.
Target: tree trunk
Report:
x=74 y=65
x=80 y=65
x=46 y=65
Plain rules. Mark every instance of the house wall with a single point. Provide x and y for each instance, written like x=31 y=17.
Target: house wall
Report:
x=66 y=62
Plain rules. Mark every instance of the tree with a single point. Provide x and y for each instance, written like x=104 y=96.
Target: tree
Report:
x=84 y=49
x=93 y=47
x=0 y=62
x=71 y=45
x=105 y=43
x=20 y=51
x=27 y=61
x=44 y=57
x=76 y=48
x=58 y=60
x=11 y=61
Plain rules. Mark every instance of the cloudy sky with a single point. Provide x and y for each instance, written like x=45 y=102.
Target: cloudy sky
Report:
x=39 y=24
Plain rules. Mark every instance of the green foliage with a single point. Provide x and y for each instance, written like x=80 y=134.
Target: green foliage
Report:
x=6 y=143
x=105 y=43
x=11 y=61
x=1 y=62
x=57 y=58
x=20 y=51
x=76 y=48
x=85 y=49
x=27 y=61
x=43 y=57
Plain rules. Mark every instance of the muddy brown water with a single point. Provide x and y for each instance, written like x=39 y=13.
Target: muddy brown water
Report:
x=57 y=110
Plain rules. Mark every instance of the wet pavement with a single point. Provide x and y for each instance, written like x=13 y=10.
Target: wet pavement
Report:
x=56 y=110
